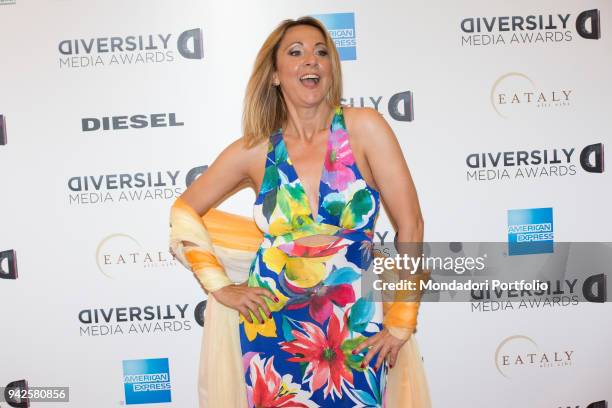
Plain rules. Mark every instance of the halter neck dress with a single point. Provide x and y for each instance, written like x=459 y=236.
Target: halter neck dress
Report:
x=301 y=356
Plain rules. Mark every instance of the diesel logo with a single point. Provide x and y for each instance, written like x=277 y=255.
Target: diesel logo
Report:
x=126 y=122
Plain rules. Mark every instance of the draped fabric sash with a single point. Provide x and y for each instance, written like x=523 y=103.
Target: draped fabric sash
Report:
x=226 y=245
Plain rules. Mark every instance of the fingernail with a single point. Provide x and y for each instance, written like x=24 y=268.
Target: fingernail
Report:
x=276 y=299
x=354 y=351
x=362 y=365
x=390 y=365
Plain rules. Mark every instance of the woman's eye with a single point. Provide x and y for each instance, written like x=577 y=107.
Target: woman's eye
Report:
x=322 y=52
x=294 y=53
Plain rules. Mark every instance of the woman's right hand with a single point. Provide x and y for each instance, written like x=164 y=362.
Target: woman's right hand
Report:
x=245 y=299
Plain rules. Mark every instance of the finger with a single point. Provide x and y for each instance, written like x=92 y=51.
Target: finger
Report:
x=262 y=303
x=366 y=343
x=384 y=350
x=267 y=293
x=373 y=350
x=253 y=307
x=392 y=357
x=245 y=314
x=248 y=315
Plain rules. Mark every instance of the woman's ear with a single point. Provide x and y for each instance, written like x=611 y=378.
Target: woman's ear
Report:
x=275 y=80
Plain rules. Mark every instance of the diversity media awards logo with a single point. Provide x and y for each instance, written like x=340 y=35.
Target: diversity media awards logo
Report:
x=117 y=49
x=596 y=404
x=8 y=264
x=519 y=30
x=158 y=184
x=528 y=163
x=146 y=381
x=399 y=106
x=13 y=392
x=530 y=231
x=341 y=27
x=148 y=319
x=2 y=130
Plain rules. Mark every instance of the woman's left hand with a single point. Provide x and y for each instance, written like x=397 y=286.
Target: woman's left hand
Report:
x=385 y=344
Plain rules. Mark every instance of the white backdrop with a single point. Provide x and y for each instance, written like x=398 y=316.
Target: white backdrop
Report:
x=105 y=248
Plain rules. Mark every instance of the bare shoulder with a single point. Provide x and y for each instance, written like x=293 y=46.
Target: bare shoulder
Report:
x=234 y=168
x=368 y=127
x=255 y=157
x=242 y=155
x=238 y=148
x=361 y=115
x=248 y=161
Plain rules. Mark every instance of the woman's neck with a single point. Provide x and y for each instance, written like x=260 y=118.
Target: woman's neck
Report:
x=305 y=123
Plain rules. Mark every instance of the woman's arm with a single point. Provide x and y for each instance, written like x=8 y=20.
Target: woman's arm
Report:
x=232 y=169
x=190 y=241
x=390 y=174
x=387 y=170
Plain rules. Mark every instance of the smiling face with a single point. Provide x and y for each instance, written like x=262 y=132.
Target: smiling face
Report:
x=304 y=68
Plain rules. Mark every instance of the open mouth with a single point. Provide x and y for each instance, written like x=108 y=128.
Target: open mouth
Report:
x=310 y=79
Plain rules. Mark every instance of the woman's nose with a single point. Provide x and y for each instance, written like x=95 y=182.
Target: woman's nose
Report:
x=311 y=60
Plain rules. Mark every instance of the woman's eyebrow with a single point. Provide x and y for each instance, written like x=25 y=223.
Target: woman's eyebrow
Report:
x=302 y=44
x=294 y=43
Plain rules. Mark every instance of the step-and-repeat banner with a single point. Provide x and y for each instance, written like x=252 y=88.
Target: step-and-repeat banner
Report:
x=109 y=109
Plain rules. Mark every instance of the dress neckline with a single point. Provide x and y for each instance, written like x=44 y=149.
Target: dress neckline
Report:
x=337 y=111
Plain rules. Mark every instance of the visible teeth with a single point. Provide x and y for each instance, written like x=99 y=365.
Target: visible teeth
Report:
x=310 y=76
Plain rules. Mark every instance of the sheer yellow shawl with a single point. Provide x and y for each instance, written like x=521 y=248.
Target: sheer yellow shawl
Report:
x=225 y=245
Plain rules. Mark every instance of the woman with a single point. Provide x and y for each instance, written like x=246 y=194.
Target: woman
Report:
x=308 y=335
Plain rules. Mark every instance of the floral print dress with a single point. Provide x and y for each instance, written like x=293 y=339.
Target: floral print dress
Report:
x=302 y=355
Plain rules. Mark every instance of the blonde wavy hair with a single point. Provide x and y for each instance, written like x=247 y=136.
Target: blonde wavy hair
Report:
x=264 y=106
